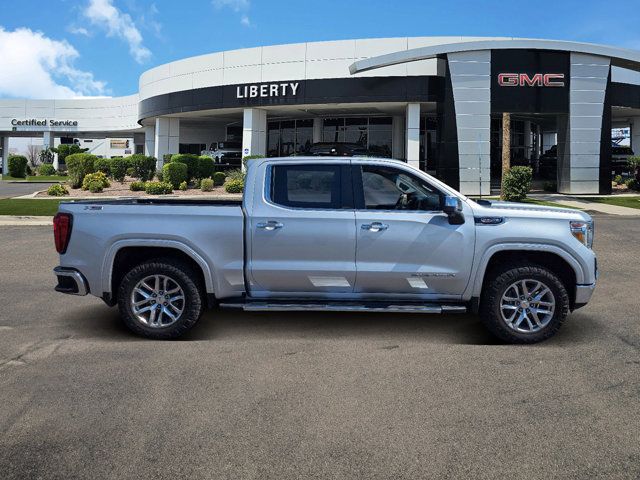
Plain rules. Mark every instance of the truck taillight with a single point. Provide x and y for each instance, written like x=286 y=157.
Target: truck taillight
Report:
x=62 y=223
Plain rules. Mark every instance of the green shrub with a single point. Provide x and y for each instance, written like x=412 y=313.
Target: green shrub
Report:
x=79 y=165
x=46 y=169
x=219 y=178
x=143 y=167
x=137 y=186
x=617 y=179
x=247 y=158
x=632 y=184
x=57 y=190
x=17 y=166
x=160 y=175
x=94 y=186
x=206 y=185
x=235 y=175
x=119 y=167
x=166 y=158
x=190 y=160
x=65 y=150
x=95 y=178
x=550 y=187
x=102 y=165
x=175 y=173
x=234 y=186
x=158 y=188
x=183 y=186
x=516 y=184
x=30 y=171
x=205 y=167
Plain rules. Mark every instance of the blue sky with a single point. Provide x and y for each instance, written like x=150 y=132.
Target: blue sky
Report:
x=65 y=48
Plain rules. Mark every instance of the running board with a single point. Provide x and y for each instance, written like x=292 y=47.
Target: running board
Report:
x=345 y=307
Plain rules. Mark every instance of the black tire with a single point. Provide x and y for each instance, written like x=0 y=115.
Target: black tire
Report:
x=178 y=272
x=497 y=284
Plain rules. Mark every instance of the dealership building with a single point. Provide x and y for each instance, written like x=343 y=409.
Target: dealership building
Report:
x=434 y=102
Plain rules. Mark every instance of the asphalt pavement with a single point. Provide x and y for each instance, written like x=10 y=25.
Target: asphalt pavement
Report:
x=15 y=189
x=314 y=395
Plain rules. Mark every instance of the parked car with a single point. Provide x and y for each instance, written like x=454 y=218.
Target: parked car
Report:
x=228 y=152
x=353 y=234
x=337 y=149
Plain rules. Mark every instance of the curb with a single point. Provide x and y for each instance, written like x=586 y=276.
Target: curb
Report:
x=23 y=220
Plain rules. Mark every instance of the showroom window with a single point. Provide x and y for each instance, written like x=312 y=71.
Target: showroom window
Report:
x=289 y=137
x=373 y=133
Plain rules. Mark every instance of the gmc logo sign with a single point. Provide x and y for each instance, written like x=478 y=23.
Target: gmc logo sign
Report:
x=537 y=80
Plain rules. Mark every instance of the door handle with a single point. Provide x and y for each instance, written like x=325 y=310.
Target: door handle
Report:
x=374 y=227
x=270 y=225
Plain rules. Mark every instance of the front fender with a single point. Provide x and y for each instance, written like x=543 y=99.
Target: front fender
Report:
x=474 y=288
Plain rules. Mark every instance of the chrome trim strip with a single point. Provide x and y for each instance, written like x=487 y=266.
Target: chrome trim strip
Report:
x=337 y=307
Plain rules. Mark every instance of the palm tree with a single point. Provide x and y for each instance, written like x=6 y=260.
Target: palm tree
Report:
x=506 y=148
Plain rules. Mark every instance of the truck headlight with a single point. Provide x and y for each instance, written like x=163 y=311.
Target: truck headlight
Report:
x=583 y=231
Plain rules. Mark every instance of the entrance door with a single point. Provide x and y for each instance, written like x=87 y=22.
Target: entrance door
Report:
x=405 y=244
x=303 y=233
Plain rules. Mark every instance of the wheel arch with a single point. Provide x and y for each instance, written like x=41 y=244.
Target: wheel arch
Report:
x=555 y=259
x=126 y=253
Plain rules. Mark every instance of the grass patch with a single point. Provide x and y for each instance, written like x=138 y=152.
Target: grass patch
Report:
x=631 y=202
x=27 y=207
x=38 y=178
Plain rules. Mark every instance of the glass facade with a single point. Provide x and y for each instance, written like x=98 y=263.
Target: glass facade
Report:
x=289 y=137
x=294 y=137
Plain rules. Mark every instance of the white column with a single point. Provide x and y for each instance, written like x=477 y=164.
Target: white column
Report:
x=634 y=123
x=166 y=138
x=317 y=130
x=397 y=139
x=413 y=134
x=150 y=141
x=5 y=155
x=254 y=132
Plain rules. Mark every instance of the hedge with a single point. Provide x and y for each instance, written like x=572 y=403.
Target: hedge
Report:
x=205 y=166
x=18 y=166
x=102 y=165
x=158 y=188
x=219 y=178
x=46 y=169
x=95 y=180
x=175 y=173
x=516 y=184
x=119 y=167
x=78 y=166
x=190 y=160
x=57 y=190
x=143 y=167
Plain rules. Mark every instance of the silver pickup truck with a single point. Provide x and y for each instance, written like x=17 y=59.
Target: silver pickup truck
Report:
x=348 y=234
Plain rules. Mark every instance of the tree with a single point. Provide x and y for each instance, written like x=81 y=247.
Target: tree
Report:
x=46 y=155
x=65 y=150
x=506 y=149
x=33 y=154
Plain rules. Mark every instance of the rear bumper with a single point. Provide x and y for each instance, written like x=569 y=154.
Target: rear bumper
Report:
x=70 y=281
x=583 y=294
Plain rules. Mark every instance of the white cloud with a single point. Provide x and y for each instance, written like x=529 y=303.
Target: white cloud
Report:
x=103 y=14
x=78 y=30
x=35 y=66
x=238 y=6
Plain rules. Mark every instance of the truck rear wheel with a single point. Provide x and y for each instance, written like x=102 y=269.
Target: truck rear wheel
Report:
x=524 y=304
x=160 y=299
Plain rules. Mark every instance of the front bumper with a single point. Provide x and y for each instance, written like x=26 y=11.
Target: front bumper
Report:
x=583 y=294
x=70 y=281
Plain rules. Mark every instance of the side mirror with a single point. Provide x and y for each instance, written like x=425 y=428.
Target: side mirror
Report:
x=453 y=208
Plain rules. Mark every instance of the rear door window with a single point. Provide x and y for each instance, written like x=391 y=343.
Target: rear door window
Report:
x=308 y=186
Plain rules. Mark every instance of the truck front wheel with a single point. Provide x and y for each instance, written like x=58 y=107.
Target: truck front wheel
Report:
x=524 y=304
x=160 y=299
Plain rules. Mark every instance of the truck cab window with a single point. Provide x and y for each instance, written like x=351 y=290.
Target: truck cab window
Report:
x=392 y=189
x=306 y=186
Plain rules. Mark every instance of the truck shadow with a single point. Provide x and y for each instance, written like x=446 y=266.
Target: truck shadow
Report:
x=104 y=323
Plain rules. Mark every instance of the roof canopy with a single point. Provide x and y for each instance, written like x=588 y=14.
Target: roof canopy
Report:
x=620 y=57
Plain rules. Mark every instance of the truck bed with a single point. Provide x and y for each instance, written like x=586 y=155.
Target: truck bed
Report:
x=223 y=202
